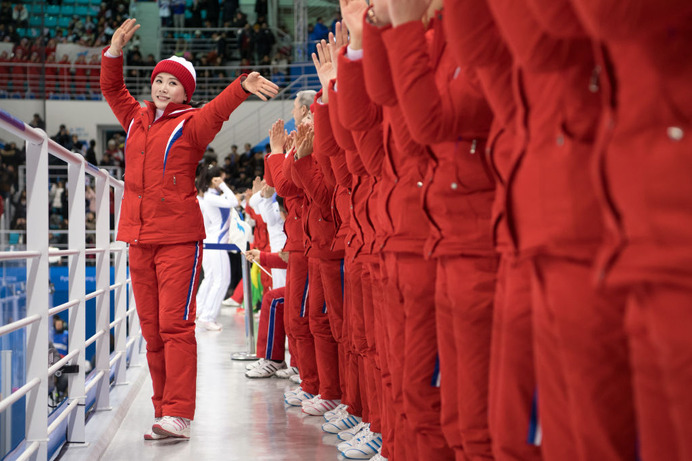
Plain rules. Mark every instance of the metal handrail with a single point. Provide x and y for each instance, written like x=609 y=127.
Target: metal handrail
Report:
x=18 y=394
x=14 y=326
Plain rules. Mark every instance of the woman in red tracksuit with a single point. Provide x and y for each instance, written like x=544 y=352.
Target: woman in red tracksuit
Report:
x=161 y=219
x=644 y=166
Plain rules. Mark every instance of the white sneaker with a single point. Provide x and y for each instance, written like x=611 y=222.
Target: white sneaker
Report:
x=151 y=435
x=173 y=426
x=210 y=326
x=357 y=440
x=328 y=416
x=292 y=392
x=287 y=372
x=295 y=379
x=354 y=432
x=366 y=449
x=319 y=406
x=335 y=426
x=265 y=370
x=298 y=398
x=230 y=302
x=254 y=364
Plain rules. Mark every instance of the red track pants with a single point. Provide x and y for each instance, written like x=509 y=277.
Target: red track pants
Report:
x=352 y=330
x=413 y=331
x=297 y=320
x=659 y=331
x=464 y=294
x=513 y=416
x=164 y=280
x=373 y=375
x=326 y=347
x=585 y=395
x=271 y=337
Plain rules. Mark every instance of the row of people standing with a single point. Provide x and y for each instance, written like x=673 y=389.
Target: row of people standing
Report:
x=513 y=181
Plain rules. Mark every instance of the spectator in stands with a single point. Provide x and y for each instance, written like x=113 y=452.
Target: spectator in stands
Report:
x=9 y=154
x=37 y=122
x=94 y=74
x=34 y=70
x=80 y=75
x=213 y=11
x=57 y=189
x=20 y=15
x=261 y=9
x=246 y=40
x=228 y=12
x=239 y=20
x=264 y=42
x=64 y=75
x=321 y=30
x=5 y=14
x=4 y=71
x=91 y=153
x=178 y=11
x=78 y=146
x=63 y=137
x=114 y=153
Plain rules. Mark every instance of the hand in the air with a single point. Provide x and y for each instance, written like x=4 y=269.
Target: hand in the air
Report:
x=260 y=86
x=403 y=11
x=122 y=35
x=277 y=137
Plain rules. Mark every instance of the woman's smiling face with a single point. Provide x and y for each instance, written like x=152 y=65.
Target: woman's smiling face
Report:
x=166 y=88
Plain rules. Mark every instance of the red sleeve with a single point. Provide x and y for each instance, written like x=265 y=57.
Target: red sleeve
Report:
x=341 y=135
x=532 y=47
x=315 y=186
x=208 y=120
x=616 y=19
x=121 y=102
x=356 y=111
x=325 y=143
x=472 y=33
x=557 y=17
x=432 y=116
x=268 y=173
x=272 y=261
x=370 y=146
x=341 y=170
x=284 y=187
x=378 y=74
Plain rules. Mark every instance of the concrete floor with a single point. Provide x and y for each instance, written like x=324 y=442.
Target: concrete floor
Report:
x=236 y=418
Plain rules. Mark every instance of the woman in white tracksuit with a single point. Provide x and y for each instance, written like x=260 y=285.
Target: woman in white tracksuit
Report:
x=264 y=203
x=216 y=205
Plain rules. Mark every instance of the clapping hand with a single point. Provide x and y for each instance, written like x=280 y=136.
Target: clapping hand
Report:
x=304 y=140
x=403 y=11
x=352 y=12
x=324 y=66
x=277 y=137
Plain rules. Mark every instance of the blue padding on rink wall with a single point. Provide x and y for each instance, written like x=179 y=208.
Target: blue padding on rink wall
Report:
x=57 y=439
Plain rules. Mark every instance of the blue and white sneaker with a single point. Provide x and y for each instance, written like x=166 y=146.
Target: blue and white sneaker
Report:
x=349 y=434
x=298 y=398
x=331 y=414
x=337 y=425
x=368 y=447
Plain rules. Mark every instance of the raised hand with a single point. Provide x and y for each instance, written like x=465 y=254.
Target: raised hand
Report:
x=304 y=141
x=260 y=86
x=340 y=35
x=216 y=182
x=381 y=10
x=256 y=185
x=352 y=12
x=277 y=137
x=122 y=35
x=267 y=191
x=324 y=66
x=403 y=11
x=290 y=141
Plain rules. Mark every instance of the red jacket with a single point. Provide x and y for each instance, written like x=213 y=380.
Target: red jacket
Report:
x=261 y=241
x=318 y=224
x=475 y=41
x=364 y=189
x=160 y=200
x=645 y=137
x=444 y=108
x=293 y=200
x=551 y=199
x=406 y=227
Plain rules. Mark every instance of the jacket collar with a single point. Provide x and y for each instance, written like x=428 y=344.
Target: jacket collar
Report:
x=170 y=109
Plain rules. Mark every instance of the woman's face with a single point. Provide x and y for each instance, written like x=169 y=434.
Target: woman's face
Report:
x=166 y=88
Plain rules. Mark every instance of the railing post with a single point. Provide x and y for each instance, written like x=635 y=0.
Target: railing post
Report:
x=77 y=324
x=5 y=390
x=37 y=294
x=120 y=295
x=103 y=283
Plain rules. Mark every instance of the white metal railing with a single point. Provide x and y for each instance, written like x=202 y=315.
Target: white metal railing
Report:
x=38 y=311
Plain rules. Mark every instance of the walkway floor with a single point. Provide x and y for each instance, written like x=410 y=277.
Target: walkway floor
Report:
x=236 y=418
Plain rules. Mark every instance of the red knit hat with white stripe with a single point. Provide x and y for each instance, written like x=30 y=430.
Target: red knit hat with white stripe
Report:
x=180 y=68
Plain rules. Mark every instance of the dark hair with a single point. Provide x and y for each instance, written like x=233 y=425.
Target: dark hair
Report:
x=206 y=175
x=196 y=103
x=280 y=201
